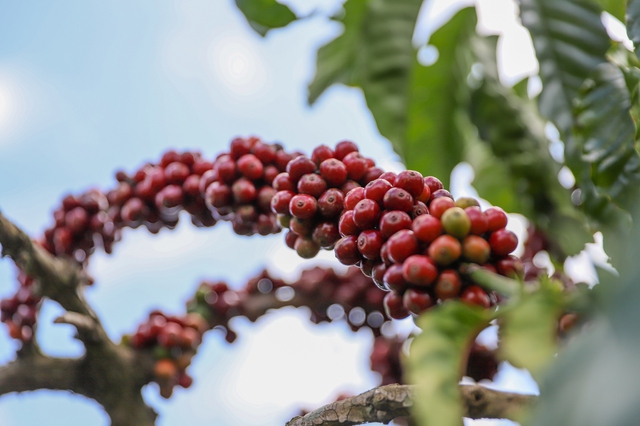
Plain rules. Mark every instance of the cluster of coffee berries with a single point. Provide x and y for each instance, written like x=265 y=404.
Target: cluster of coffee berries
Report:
x=311 y=194
x=19 y=311
x=239 y=188
x=411 y=237
x=173 y=342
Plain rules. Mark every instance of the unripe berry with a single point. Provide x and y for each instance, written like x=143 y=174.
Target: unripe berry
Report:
x=326 y=234
x=401 y=245
x=416 y=301
x=411 y=181
x=306 y=248
x=426 y=228
x=476 y=249
x=165 y=369
x=464 y=202
x=346 y=250
x=302 y=227
x=369 y=244
x=419 y=270
x=456 y=222
x=303 y=206
x=445 y=250
x=503 y=242
x=392 y=222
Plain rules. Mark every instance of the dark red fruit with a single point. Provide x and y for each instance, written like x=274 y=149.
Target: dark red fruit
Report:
x=282 y=182
x=441 y=193
x=394 y=280
x=343 y=148
x=77 y=220
x=280 y=202
x=244 y=191
x=503 y=242
x=334 y=172
x=170 y=196
x=239 y=147
x=416 y=301
x=433 y=183
x=175 y=173
x=349 y=185
x=398 y=199
x=496 y=219
x=265 y=195
x=290 y=239
x=394 y=307
x=346 y=250
x=419 y=270
x=312 y=184
x=445 y=250
x=377 y=274
x=250 y=167
x=299 y=167
x=392 y=222
x=479 y=222
x=440 y=205
x=331 y=203
x=448 y=285
x=475 y=295
x=372 y=174
x=401 y=245
x=264 y=152
x=321 y=153
x=302 y=227
x=369 y=244
x=353 y=197
x=411 y=181
x=511 y=267
x=218 y=195
x=427 y=228
x=326 y=234
x=376 y=189
x=366 y=214
x=303 y=206
x=346 y=225
x=356 y=165
x=389 y=177
x=418 y=209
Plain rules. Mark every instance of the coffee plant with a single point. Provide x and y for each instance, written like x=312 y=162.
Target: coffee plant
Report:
x=412 y=249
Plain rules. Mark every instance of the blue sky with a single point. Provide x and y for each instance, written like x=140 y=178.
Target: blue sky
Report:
x=87 y=88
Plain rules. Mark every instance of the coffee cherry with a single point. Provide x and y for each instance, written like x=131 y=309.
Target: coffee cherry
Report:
x=377 y=274
x=411 y=181
x=425 y=196
x=389 y=177
x=170 y=196
x=356 y=165
x=372 y=174
x=438 y=206
x=76 y=220
x=165 y=369
x=445 y=250
x=401 y=245
x=312 y=184
x=475 y=295
x=239 y=147
x=479 y=222
x=346 y=250
x=503 y=242
x=343 y=148
x=290 y=239
x=376 y=189
x=349 y=185
x=369 y=244
x=496 y=219
x=244 y=191
x=426 y=228
x=302 y=227
x=456 y=222
x=441 y=193
x=418 y=209
x=299 y=167
x=392 y=222
x=416 y=301
x=394 y=307
x=270 y=173
x=303 y=206
x=353 y=197
x=218 y=195
x=331 y=203
x=448 y=285
x=306 y=248
x=282 y=182
x=511 y=267
x=264 y=197
x=264 y=152
x=347 y=226
x=366 y=214
x=476 y=249
x=326 y=234
x=321 y=153
x=250 y=167
x=398 y=199
x=419 y=270
x=394 y=279
x=433 y=183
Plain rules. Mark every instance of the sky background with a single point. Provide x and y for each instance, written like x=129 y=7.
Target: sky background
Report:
x=87 y=88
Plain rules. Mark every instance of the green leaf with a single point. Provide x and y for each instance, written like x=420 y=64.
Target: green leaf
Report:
x=415 y=107
x=528 y=328
x=617 y=8
x=633 y=23
x=512 y=163
x=264 y=15
x=570 y=41
x=436 y=359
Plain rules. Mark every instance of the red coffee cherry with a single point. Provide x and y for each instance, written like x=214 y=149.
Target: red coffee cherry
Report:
x=303 y=206
x=239 y=147
x=433 y=183
x=417 y=301
x=427 y=228
x=343 y=148
x=280 y=202
x=334 y=172
x=419 y=270
x=425 y=196
x=348 y=186
x=312 y=184
x=366 y=214
x=394 y=279
x=264 y=152
x=398 y=199
x=282 y=182
x=377 y=274
x=321 y=153
x=479 y=222
x=250 y=167
x=244 y=191
x=331 y=203
x=418 y=209
x=511 y=267
x=475 y=295
x=290 y=239
x=372 y=174
x=226 y=170
x=219 y=195
x=369 y=244
x=376 y=189
x=401 y=245
x=326 y=234
x=346 y=250
x=411 y=181
x=496 y=219
x=346 y=225
x=445 y=250
x=389 y=177
x=353 y=197
x=476 y=249
x=503 y=242
x=356 y=165
x=448 y=285
x=174 y=173
x=440 y=205
x=392 y=222
x=299 y=167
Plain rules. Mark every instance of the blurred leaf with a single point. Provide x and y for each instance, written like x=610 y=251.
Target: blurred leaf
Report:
x=513 y=167
x=264 y=15
x=616 y=8
x=570 y=41
x=633 y=23
x=528 y=328
x=414 y=106
x=436 y=359
x=521 y=88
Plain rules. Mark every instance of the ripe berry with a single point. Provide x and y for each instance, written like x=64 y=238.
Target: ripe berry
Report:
x=312 y=184
x=441 y=193
x=175 y=173
x=445 y=250
x=479 y=222
x=426 y=228
x=389 y=177
x=438 y=206
x=356 y=165
x=419 y=270
x=302 y=227
x=76 y=220
x=270 y=173
x=321 y=153
x=191 y=186
x=394 y=280
x=264 y=152
x=511 y=267
x=326 y=234
x=411 y=181
x=239 y=147
x=425 y=196
x=282 y=182
x=218 y=195
x=418 y=209
x=170 y=196
x=346 y=250
x=303 y=206
x=376 y=189
x=416 y=301
x=264 y=197
x=394 y=307
x=299 y=167
x=348 y=186
x=372 y=174
x=456 y=222
x=290 y=239
x=475 y=249
x=369 y=244
x=250 y=166
x=377 y=274
x=401 y=245
x=496 y=218
x=433 y=183
x=448 y=285
x=475 y=295
x=347 y=226
x=503 y=242
x=334 y=172
x=353 y=197
x=366 y=214
x=331 y=203
x=226 y=170
x=343 y=148
x=244 y=191
x=398 y=199
x=392 y=222
x=306 y=248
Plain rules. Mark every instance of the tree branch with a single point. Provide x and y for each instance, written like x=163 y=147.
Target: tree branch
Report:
x=385 y=403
